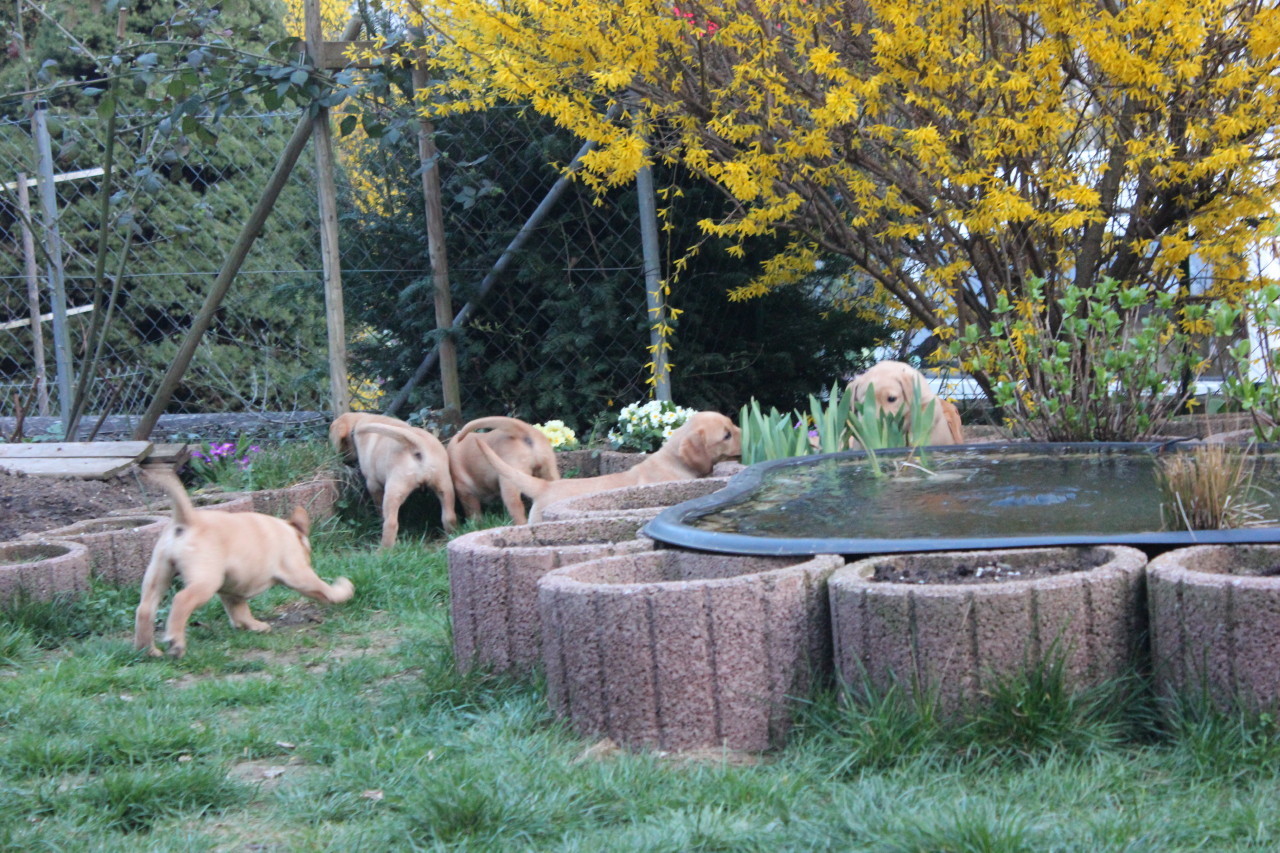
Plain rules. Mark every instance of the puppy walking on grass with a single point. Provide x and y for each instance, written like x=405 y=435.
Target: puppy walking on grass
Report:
x=235 y=555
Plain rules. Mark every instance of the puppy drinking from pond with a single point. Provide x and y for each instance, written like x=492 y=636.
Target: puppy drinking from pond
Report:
x=895 y=386
x=689 y=453
x=234 y=555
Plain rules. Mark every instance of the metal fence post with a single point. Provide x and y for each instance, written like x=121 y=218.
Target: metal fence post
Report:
x=655 y=297
x=53 y=249
x=31 y=268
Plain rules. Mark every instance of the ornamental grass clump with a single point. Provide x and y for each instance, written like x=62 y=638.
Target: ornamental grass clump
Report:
x=1210 y=488
x=643 y=428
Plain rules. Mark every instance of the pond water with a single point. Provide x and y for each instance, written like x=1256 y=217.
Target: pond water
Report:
x=976 y=496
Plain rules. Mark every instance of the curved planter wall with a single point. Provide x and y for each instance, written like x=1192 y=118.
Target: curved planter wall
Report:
x=954 y=640
x=682 y=650
x=119 y=546
x=317 y=497
x=638 y=502
x=1215 y=618
x=41 y=569
x=493 y=583
x=223 y=501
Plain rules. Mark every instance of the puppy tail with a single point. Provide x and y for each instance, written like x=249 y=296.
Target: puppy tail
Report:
x=400 y=434
x=164 y=477
x=529 y=486
x=491 y=422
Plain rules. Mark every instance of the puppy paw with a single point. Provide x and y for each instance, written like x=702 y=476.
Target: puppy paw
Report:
x=154 y=651
x=343 y=589
x=256 y=626
x=176 y=651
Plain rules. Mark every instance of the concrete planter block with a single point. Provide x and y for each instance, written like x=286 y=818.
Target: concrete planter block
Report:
x=1215 y=622
x=318 y=497
x=683 y=650
x=493 y=584
x=42 y=569
x=579 y=463
x=119 y=546
x=223 y=501
x=616 y=461
x=954 y=640
x=638 y=502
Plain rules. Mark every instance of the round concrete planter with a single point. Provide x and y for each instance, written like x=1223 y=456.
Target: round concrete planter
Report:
x=685 y=650
x=42 y=569
x=222 y=501
x=493 y=584
x=638 y=502
x=1215 y=619
x=119 y=546
x=955 y=640
x=317 y=497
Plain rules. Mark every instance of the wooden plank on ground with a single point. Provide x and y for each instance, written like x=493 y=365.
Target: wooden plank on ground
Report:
x=170 y=454
x=75 y=450
x=84 y=467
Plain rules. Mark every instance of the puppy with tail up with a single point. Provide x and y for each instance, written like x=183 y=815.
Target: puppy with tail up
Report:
x=234 y=555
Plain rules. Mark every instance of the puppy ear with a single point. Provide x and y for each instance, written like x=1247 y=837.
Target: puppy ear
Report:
x=301 y=521
x=694 y=452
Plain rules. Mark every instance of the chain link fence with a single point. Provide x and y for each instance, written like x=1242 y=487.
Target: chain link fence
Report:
x=566 y=323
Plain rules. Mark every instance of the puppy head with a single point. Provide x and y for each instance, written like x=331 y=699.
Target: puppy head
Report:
x=894 y=385
x=705 y=439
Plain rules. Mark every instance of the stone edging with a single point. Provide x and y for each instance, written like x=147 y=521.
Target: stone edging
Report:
x=493 y=577
x=641 y=502
x=119 y=546
x=681 y=650
x=954 y=640
x=1215 y=617
x=42 y=569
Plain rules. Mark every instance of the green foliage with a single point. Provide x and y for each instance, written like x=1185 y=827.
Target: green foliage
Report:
x=770 y=436
x=1259 y=397
x=1100 y=362
x=563 y=333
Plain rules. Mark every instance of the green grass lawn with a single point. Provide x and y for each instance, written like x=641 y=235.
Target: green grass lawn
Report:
x=355 y=732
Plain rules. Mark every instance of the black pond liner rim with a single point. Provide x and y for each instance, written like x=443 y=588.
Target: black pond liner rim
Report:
x=671 y=526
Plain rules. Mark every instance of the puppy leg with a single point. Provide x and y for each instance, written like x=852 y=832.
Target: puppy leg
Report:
x=155 y=583
x=392 y=499
x=184 y=604
x=444 y=490
x=470 y=503
x=513 y=501
x=238 y=611
x=300 y=577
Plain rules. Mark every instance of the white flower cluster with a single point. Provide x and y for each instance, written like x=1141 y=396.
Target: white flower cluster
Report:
x=562 y=438
x=652 y=420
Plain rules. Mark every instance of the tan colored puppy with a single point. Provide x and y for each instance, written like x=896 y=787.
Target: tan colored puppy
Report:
x=691 y=452
x=235 y=555
x=343 y=425
x=894 y=389
x=397 y=459
x=521 y=445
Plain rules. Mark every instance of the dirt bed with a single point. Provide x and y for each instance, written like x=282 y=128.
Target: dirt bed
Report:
x=37 y=504
x=979 y=571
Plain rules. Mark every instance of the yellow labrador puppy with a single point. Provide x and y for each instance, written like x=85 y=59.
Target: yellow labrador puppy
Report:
x=521 y=445
x=689 y=453
x=894 y=384
x=395 y=459
x=235 y=555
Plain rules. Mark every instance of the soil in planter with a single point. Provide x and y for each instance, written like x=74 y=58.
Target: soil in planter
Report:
x=983 y=569
x=37 y=504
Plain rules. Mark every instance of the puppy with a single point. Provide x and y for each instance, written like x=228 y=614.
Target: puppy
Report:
x=343 y=425
x=235 y=555
x=894 y=389
x=690 y=452
x=523 y=446
x=396 y=459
